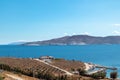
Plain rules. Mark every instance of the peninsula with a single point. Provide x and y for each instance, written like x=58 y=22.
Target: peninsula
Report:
x=78 y=40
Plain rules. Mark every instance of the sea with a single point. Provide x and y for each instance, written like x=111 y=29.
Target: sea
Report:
x=106 y=55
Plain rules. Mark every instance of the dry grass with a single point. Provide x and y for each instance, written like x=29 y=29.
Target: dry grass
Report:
x=68 y=65
x=24 y=77
x=29 y=64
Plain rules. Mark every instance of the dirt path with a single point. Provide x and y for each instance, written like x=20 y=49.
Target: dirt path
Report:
x=68 y=73
x=14 y=77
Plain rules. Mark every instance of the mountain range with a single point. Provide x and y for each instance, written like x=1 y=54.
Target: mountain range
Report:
x=78 y=40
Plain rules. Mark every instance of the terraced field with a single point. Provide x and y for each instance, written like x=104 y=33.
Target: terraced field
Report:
x=68 y=65
x=56 y=70
x=29 y=65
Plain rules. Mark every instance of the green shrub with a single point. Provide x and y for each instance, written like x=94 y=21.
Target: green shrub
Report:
x=72 y=69
x=113 y=75
x=1 y=78
x=99 y=75
x=81 y=71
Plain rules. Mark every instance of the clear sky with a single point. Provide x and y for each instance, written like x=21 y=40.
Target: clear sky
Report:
x=33 y=20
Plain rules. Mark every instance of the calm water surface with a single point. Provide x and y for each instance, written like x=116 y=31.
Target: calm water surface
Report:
x=108 y=55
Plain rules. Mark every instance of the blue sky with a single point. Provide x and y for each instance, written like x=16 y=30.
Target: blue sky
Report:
x=33 y=20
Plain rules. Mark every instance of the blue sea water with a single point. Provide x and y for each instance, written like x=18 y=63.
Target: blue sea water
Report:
x=107 y=55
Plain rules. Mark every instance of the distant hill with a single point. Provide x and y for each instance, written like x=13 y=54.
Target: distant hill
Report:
x=78 y=40
x=16 y=43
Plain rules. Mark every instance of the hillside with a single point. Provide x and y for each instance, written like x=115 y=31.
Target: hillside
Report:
x=38 y=68
x=78 y=40
x=52 y=69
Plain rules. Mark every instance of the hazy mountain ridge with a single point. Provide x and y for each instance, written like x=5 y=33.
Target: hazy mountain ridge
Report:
x=16 y=43
x=78 y=40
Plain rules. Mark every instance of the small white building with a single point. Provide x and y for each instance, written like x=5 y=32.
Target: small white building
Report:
x=47 y=58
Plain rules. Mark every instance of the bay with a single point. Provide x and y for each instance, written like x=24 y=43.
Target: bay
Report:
x=107 y=55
